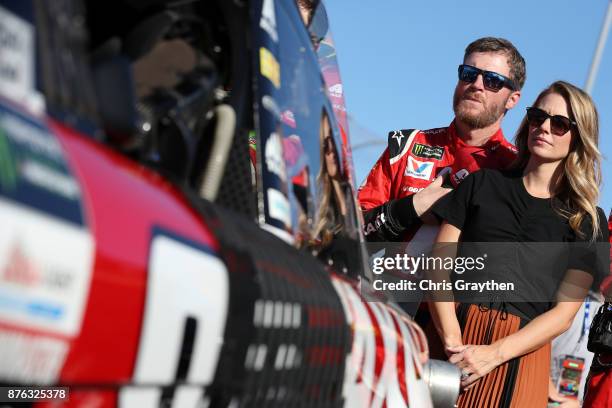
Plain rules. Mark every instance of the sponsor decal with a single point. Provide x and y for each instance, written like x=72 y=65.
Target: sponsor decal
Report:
x=47 y=178
x=460 y=175
x=335 y=90
x=434 y=131
x=383 y=367
x=278 y=207
x=179 y=295
x=268 y=19
x=252 y=140
x=271 y=106
x=8 y=167
x=288 y=118
x=428 y=152
x=412 y=189
x=269 y=66
x=45 y=270
x=31 y=136
x=274 y=156
x=418 y=169
x=33 y=170
x=339 y=107
x=31 y=359
x=398 y=136
x=17 y=61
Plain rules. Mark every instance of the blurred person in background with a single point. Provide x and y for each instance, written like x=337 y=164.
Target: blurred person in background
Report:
x=503 y=349
x=572 y=345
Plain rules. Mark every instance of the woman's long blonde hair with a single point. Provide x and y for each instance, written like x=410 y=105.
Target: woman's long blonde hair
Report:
x=329 y=220
x=578 y=186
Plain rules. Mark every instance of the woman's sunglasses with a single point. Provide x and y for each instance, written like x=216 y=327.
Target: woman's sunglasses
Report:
x=491 y=80
x=328 y=145
x=559 y=125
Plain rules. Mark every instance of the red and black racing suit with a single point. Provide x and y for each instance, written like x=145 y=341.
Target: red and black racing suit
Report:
x=411 y=161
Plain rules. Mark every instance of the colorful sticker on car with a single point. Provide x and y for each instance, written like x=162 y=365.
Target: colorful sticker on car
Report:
x=17 y=61
x=383 y=367
x=273 y=155
x=268 y=19
x=279 y=207
x=31 y=359
x=33 y=169
x=45 y=270
x=269 y=66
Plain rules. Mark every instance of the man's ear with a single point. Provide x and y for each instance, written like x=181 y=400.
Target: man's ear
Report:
x=513 y=99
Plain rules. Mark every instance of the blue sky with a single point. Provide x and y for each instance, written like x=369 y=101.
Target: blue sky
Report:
x=399 y=58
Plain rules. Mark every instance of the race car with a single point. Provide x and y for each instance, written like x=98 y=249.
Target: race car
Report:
x=178 y=214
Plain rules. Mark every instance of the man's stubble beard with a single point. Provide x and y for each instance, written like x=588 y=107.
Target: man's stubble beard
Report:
x=481 y=120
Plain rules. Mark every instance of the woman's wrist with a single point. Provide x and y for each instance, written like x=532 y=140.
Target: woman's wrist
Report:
x=453 y=340
x=501 y=353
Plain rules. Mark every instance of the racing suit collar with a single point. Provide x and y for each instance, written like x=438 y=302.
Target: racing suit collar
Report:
x=496 y=139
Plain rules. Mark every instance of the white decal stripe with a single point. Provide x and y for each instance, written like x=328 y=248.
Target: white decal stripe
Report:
x=406 y=147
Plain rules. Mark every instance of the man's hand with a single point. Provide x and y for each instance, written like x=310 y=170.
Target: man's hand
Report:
x=424 y=199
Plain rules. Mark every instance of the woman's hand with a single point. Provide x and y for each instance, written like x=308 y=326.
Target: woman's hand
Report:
x=453 y=345
x=475 y=361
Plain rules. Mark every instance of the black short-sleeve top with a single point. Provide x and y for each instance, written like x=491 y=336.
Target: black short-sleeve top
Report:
x=492 y=206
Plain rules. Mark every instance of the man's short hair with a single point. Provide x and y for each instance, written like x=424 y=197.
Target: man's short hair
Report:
x=518 y=71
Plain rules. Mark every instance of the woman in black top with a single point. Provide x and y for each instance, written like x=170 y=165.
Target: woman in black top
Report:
x=503 y=347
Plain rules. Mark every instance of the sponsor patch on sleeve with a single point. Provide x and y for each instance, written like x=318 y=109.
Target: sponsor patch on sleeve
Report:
x=428 y=152
x=418 y=169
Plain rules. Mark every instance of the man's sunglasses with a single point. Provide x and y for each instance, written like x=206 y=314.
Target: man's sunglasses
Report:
x=491 y=80
x=559 y=125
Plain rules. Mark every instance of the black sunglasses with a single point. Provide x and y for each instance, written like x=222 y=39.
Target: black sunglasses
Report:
x=491 y=80
x=559 y=125
x=328 y=145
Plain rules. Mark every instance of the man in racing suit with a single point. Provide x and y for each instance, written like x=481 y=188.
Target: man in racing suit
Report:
x=408 y=177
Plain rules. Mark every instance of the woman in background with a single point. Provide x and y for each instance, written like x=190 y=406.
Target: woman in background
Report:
x=503 y=349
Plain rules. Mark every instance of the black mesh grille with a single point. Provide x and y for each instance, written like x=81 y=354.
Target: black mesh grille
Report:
x=236 y=191
x=286 y=339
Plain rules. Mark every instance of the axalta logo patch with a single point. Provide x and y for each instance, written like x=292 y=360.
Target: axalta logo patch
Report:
x=428 y=152
x=418 y=169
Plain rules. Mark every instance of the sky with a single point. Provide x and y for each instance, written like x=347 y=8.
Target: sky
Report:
x=398 y=60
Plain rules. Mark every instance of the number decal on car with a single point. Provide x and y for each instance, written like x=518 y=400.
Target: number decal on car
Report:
x=183 y=324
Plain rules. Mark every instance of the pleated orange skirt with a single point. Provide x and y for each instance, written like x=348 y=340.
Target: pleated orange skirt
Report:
x=521 y=382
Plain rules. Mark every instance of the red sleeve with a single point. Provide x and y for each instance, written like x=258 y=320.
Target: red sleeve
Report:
x=377 y=188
